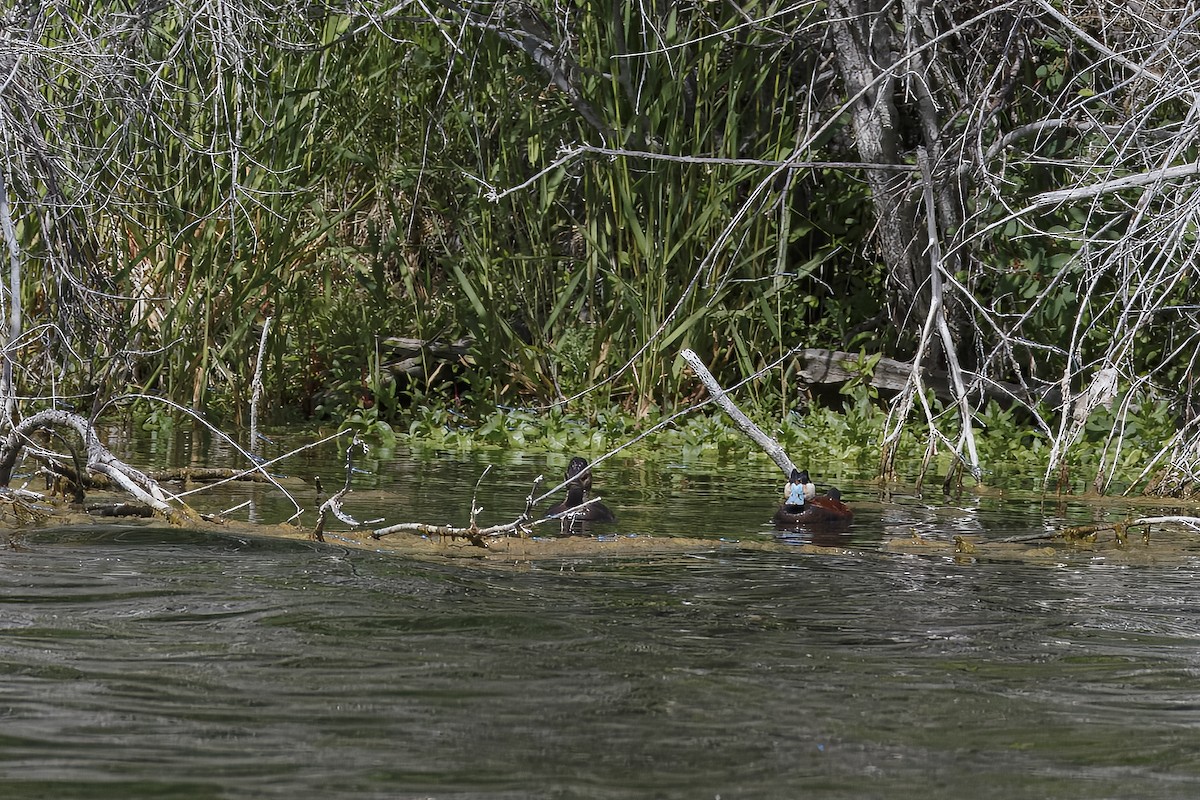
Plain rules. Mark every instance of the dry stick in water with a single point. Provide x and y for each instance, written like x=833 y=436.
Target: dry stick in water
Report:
x=476 y=535
x=257 y=388
x=523 y=525
x=334 y=504
x=769 y=446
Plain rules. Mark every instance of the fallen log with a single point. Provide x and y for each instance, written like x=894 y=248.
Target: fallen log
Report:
x=184 y=476
x=413 y=357
x=819 y=366
x=119 y=510
x=188 y=475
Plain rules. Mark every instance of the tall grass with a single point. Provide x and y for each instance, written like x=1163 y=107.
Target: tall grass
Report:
x=645 y=265
x=335 y=185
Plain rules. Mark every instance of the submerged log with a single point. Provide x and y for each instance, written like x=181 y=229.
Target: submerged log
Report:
x=120 y=510
x=181 y=475
x=186 y=475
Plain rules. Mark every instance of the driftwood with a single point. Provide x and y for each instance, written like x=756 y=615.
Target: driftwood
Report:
x=119 y=510
x=88 y=464
x=473 y=533
x=23 y=506
x=181 y=475
x=478 y=536
x=97 y=458
x=73 y=480
x=186 y=475
x=523 y=525
x=334 y=504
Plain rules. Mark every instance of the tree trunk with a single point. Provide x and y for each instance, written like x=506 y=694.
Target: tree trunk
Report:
x=866 y=60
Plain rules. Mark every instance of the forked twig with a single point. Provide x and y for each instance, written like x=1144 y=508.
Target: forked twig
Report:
x=334 y=504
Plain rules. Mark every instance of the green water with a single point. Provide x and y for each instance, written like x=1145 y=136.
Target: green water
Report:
x=139 y=661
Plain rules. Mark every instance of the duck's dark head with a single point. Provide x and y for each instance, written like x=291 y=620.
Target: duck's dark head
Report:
x=579 y=483
x=578 y=474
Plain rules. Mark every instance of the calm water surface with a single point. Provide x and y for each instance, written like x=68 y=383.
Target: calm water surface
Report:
x=138 y=661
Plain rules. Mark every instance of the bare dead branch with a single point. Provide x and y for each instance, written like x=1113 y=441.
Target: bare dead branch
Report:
x=99 y=459
x=772 y=448
x=256 y=385
x=1155 y=179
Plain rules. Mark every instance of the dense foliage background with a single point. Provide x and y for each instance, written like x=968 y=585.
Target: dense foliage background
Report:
x=557 y=197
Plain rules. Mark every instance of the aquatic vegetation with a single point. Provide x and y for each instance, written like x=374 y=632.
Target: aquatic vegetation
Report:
x=844 y=440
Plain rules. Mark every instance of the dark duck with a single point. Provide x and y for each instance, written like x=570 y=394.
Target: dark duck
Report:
x=803 y=506
x=579 y=483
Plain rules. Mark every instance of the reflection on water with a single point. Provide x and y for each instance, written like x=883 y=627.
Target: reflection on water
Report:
x=142 y=661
